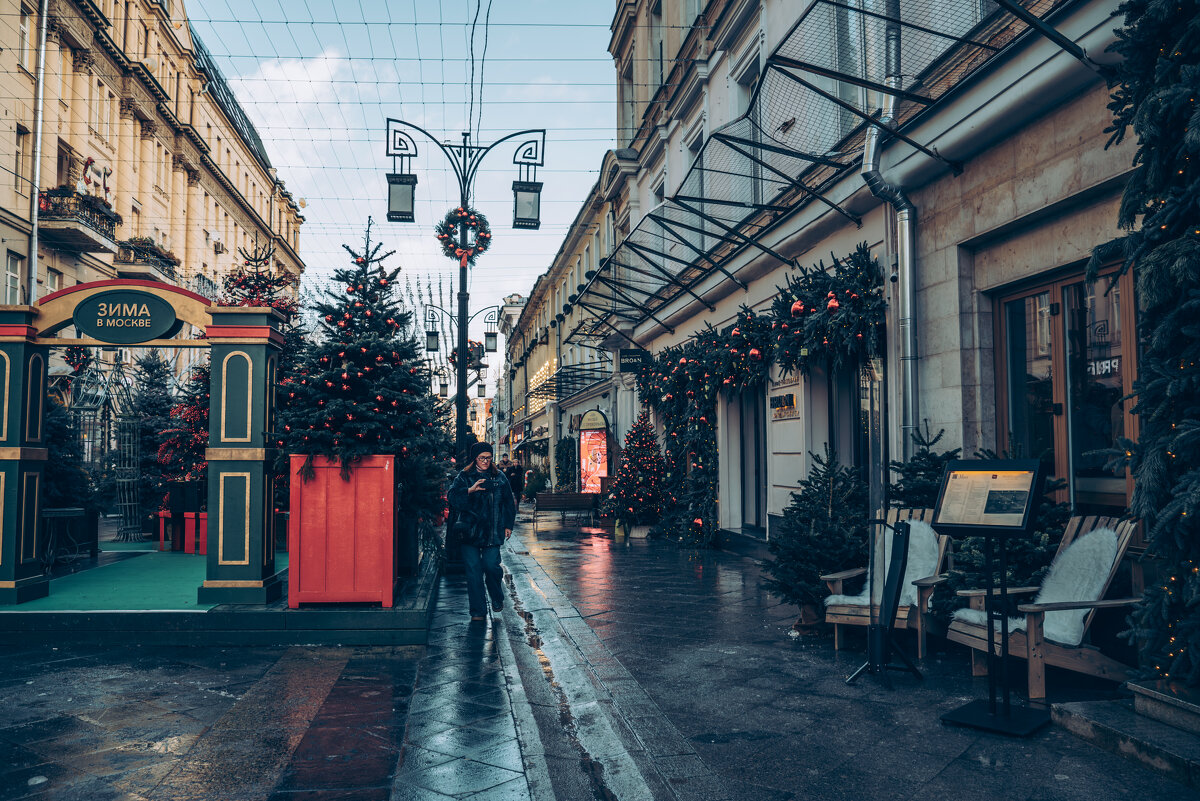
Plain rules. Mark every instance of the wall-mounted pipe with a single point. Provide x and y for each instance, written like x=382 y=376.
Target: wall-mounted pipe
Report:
x=39 y=103
x=906 y=229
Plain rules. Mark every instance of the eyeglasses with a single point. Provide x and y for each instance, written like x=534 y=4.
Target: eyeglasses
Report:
x=484 y=457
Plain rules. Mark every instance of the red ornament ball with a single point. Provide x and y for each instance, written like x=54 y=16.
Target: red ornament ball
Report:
x=798 y=308
x=756 y=354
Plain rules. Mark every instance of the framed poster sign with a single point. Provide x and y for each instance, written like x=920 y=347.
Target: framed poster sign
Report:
x=988 y=497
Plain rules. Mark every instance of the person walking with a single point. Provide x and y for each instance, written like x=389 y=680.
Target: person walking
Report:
x=516 y=478
x=482 y=498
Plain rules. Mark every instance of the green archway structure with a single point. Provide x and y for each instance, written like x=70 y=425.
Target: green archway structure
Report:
x=244 y=348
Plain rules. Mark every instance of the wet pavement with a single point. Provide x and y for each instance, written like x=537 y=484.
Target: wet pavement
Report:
x=619 y=669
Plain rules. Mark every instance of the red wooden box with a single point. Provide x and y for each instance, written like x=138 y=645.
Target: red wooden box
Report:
x=341 y=534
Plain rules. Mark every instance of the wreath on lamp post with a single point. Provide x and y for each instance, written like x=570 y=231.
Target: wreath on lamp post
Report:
x=447 y=234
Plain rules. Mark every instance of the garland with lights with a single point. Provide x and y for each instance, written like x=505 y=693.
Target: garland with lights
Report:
x=1154 y=97
x=363 y=388
x=828 y=318
x=447 y=234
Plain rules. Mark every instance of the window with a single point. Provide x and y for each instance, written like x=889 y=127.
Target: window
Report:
x=628 y=100
x=24 y=49
x=22 y=158
x=12 y=278
x=1066 y=365
x=53 y=281
x=657 y=61
x=752 y=187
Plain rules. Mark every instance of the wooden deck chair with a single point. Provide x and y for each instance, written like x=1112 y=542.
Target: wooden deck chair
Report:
x=926 y=557
x=1052 y=630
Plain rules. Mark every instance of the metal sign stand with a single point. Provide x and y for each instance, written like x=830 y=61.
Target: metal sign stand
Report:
x=997 y=522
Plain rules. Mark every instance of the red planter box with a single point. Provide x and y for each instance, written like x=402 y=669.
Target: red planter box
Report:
x=341 y=534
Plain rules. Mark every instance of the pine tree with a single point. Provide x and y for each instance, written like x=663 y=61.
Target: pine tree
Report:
x=920 y=477
x=182 y=451
x=1155 y=97
x=151 y=406
x=636 y=496
x=363 y=389
x=824 y=530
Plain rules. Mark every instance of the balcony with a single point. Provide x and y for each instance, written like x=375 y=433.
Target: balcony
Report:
x=567 y=381
x=79 y=223
x=141 y=258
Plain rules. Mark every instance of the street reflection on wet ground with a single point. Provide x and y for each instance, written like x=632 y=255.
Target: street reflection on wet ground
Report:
x=619 y=669
x=770 y=716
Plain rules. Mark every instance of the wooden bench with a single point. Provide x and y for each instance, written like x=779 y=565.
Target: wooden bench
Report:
x=564 y=502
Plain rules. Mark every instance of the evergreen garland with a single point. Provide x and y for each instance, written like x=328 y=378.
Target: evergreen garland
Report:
x=363 y=388
x=565 y=465
x=1156 y=96
x=636 y=496
x=831 y=318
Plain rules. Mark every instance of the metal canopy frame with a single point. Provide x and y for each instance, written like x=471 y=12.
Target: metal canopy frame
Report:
x=822 y=88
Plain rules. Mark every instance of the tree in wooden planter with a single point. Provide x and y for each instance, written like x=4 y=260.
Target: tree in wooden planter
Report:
x=636 y=496
x=361 y=399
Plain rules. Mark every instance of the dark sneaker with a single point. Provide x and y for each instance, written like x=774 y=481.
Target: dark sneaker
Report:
x=498 y=608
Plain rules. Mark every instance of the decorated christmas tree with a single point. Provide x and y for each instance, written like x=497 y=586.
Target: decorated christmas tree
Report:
x=824 y=530
x=1155 y=98
x=636 y=496
x=362 y=388
x=181 y=453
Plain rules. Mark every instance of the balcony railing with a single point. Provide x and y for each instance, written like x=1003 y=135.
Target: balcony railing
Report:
x=138 y=260
x=567 y=381
x=72 y=221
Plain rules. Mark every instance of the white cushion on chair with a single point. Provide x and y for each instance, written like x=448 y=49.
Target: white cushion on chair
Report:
x=922 y=562
x=1079 y=573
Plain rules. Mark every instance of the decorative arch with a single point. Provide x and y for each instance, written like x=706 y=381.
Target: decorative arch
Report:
x=56 y=311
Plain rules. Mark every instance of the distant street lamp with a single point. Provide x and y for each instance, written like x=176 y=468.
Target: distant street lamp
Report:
x=464 y=160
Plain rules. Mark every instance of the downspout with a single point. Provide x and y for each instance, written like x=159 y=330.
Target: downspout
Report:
x=906 y=225
x=36 y=172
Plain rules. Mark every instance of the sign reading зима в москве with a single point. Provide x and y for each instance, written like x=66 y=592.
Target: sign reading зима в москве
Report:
x=125 y=317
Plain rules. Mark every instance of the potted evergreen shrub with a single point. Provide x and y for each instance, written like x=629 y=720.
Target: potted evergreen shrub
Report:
x=368 y=446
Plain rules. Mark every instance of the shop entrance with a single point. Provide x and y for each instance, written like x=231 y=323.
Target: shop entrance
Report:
x=753 y=434
x=1067 y=361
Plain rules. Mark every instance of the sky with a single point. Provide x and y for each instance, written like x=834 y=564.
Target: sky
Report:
x=319 y=78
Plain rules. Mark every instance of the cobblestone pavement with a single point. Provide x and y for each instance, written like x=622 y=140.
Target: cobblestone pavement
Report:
x=618 y=669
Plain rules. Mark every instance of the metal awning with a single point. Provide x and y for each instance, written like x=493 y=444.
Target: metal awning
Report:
x=566 y=381
x=804 y=129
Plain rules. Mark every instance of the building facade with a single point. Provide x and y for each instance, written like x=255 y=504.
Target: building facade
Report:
x=963 y=143
x=147 y=166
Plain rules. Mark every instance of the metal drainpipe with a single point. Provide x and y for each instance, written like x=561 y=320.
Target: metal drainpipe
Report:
x=36 y=172
x=906 y=228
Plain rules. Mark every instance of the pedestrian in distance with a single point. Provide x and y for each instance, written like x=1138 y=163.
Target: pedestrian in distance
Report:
x=481 y=497
x=516 y=478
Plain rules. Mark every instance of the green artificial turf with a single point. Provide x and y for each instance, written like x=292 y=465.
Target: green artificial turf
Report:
x=148 y=581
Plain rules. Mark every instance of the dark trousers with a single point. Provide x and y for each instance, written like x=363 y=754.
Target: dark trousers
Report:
x=482 y=565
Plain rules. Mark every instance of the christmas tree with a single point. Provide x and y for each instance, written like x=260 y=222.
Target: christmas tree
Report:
x=257 y=284
x=151 y=407
x=1155 y=96
x=362 y=388
x=636 y=496
x=824 y=530
x=182 y=451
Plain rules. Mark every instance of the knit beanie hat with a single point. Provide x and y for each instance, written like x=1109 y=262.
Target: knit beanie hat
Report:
x=476 y=449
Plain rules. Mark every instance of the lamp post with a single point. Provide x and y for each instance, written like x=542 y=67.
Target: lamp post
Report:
x=464 y=160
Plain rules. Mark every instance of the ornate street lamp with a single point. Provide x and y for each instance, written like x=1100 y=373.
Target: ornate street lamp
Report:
x=464 y=234
x=431 y=341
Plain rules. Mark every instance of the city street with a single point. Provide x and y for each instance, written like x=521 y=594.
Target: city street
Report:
x=619 y=669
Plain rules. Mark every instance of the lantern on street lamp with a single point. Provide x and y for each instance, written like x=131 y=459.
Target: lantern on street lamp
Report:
x=481 y=390
x=431 y=341
x=490 y=342
x=401 y=196
x=527 y=204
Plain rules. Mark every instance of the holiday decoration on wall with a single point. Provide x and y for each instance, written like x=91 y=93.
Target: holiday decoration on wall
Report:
x=363 y=388
x=831 y=318
x=1154 y=98
x=448 y=234
x=637 y=496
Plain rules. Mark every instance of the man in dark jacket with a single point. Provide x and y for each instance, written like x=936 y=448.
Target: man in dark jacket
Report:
x=515 y=476
x=486 y=513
